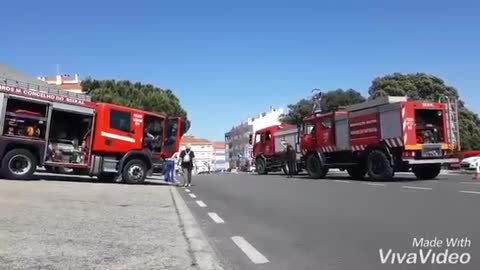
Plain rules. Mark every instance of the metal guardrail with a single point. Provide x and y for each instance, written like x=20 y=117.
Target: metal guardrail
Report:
x=43 y=88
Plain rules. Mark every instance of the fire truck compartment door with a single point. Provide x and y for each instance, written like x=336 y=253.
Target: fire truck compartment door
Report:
x=172 y=134
x=73 y=108
x=284 y=136
x=342 y=134
x=391 y=124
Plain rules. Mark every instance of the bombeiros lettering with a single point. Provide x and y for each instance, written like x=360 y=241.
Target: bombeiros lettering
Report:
x=39 y=94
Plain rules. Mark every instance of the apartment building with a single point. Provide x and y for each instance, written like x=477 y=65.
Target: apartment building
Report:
x=64 y=82
x=237 y=147
x=204 y=153
x=220 y=158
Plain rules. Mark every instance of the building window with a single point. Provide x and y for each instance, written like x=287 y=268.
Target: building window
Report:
x=120 y=120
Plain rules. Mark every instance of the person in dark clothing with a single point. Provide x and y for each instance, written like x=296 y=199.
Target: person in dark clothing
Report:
x=148 y=139
x=186 y=159
x=291 y=159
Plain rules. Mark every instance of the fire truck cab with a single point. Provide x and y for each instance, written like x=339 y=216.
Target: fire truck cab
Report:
x=61 y=130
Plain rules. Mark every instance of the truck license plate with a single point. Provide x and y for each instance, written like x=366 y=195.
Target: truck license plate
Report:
x=430 y=151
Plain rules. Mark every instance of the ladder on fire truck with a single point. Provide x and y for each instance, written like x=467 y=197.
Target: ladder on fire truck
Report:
x=4 y=80
x=451 y=105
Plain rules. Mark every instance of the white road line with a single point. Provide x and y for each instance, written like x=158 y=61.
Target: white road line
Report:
x=471 y=183
x=469 y=191
x=421 y=188
x=201 y=204
x=375 y=184
x=192 y=195
x=254 y=255
x=341 y=181
x=216 y=218
x=187 y=190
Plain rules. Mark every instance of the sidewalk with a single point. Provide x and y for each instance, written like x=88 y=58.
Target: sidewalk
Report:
x=83 y=225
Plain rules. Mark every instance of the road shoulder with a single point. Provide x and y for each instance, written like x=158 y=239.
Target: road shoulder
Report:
x=201 y=252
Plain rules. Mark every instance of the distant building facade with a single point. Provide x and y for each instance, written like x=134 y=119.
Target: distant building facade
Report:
x=220 y=156
x=238 y=149
x=204 y=153
x=64 y=82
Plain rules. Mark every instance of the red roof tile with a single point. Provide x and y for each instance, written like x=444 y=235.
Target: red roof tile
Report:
x=72 y=86
x=194 y=140
x=218 y=145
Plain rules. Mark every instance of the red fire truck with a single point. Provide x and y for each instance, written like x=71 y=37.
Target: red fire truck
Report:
x=58 y=129
x=270 y=145
x=380 y=137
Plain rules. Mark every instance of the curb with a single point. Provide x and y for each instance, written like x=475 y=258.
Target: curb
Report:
x=203 y=256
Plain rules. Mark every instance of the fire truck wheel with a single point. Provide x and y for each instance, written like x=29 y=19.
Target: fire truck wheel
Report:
x=356 y=172
x=261 y=166
x=426 y=172
x=18 y=164
x=378 y=166
x=134 y=172
x=314 y=167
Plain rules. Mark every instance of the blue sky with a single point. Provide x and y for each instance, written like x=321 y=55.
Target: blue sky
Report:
x=228 y=60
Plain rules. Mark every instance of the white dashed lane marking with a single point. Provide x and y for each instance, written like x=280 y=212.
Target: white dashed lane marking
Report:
x=254 y=255
x=187 y=190
x=375 y=184
x=192 y=195
x=201 y=204
x=341 y=181
x=420 y=188
x=470 y=192
x=216 y=218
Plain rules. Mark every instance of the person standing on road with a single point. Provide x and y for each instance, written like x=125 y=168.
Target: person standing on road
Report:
x=186 y=158
x=291 y=158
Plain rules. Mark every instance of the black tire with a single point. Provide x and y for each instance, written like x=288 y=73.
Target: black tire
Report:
x=315 y=168
x=426 y=172
x=134 y=172
x=19 y=164
x=357 y=172
x=379 y=167
x=261 y=166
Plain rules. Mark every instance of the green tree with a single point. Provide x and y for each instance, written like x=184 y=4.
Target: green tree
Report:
x=331 y=100
x=338 y=98
x=421 y=86
x=136 y=95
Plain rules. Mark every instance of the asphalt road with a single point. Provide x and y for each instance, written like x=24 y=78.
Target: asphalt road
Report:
x=271 y=222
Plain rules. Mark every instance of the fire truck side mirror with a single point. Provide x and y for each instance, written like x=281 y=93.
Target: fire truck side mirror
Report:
x=250 y=139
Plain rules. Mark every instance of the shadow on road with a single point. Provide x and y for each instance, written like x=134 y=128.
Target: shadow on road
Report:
x=397 y=179
x=82 y=179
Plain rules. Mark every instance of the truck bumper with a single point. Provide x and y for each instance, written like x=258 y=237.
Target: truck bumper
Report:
x=431 y=161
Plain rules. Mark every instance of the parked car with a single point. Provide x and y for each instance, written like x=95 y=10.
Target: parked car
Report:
x=461 y=157
x=470 y=163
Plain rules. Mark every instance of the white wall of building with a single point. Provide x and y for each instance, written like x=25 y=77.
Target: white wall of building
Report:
x=266 y=119
x=239 y=140
x=204 y=157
